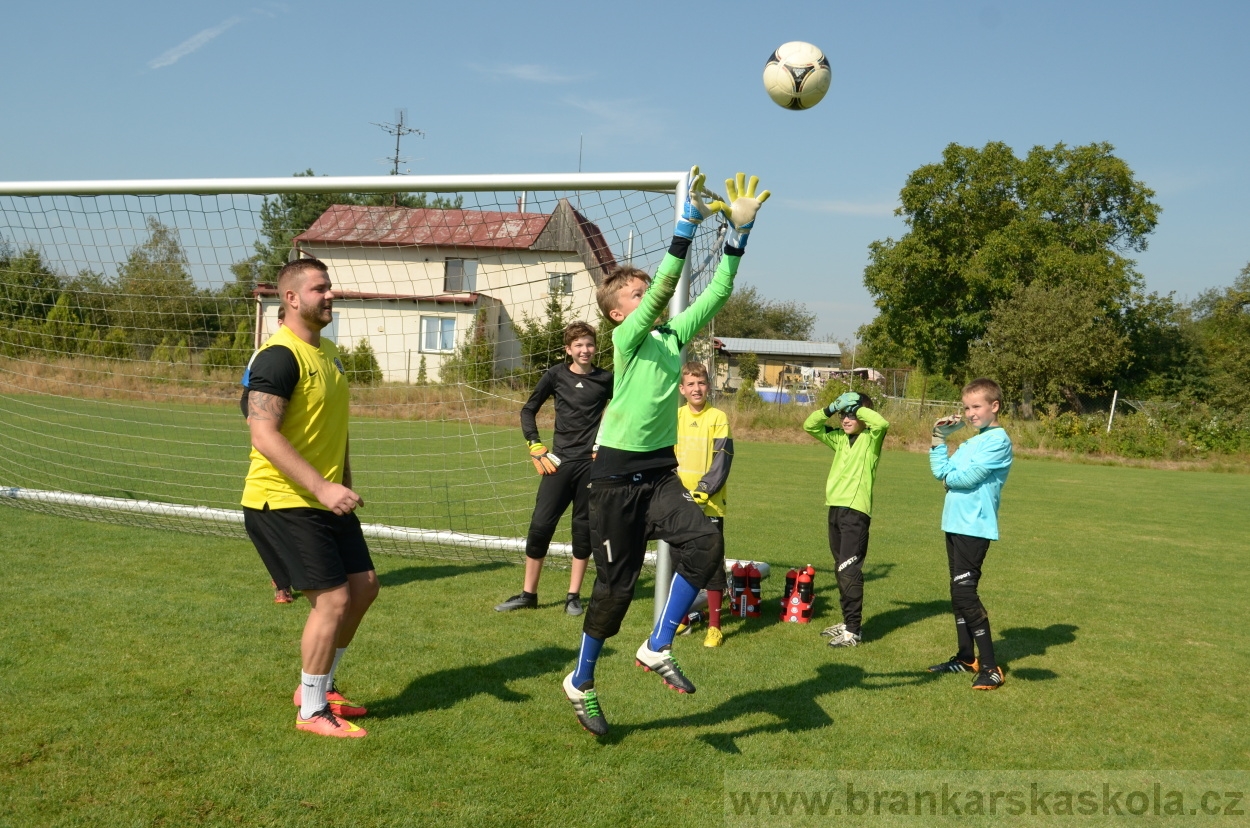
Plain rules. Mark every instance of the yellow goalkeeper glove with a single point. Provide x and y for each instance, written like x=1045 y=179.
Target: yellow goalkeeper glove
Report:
x=700 y=498
x=544 y=461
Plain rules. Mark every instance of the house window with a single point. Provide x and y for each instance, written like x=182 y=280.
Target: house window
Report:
x=438 y=334
x=460 y=276
x=559 y=283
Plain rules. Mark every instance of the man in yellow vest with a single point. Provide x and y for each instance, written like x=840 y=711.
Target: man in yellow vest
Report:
x=298 y=503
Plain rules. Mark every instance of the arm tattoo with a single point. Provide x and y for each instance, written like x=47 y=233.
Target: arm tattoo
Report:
x=262 y=406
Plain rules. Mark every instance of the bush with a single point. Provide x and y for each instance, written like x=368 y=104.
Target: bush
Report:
x=361 y=365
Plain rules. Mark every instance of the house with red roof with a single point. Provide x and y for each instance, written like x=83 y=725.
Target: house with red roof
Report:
x=415 y=281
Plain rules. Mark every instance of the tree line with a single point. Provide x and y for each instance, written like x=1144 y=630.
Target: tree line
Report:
x=1021 y=269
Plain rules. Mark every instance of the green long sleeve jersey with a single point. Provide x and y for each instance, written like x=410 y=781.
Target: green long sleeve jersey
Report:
x=854 y=466
x=642 y=415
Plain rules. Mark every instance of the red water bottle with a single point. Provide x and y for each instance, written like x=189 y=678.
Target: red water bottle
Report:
x=791 y=577
x=806 y=594
x=738 y=581
x=754 y=592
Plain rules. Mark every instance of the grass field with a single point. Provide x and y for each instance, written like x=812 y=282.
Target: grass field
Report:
x=149 y=675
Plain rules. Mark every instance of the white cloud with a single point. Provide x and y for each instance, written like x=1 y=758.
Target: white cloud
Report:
x=192 y=44
x=843 y=208
x=529 y=72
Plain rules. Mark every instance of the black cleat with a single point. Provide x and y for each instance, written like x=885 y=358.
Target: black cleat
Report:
x=572 y=604
x=990 y=678
x=586 y=706
x=956 y=666
x=517 y=602
x=664 y=664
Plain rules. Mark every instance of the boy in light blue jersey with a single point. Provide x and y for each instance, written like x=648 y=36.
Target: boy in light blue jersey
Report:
x=973 y=476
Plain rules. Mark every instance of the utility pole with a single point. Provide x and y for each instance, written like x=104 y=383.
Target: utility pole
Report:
x=399 y=129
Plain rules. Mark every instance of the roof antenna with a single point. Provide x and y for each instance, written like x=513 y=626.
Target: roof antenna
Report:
x=399 y=129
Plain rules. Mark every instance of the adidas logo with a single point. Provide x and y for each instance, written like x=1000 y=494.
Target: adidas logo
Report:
x=579 y=385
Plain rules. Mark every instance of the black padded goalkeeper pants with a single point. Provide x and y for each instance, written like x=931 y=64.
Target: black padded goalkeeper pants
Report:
x=555 y=493
x=625 y=513
x=848 y=541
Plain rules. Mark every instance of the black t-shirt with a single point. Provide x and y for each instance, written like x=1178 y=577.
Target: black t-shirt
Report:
x=580 y=400
x=273 y=370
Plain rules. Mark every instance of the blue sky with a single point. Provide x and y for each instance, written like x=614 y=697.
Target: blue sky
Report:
x=154 y=90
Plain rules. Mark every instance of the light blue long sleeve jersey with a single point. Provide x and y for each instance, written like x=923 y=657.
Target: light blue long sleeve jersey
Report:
x=974 y=476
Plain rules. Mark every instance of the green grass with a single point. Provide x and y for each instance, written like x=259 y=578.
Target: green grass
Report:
x=148 y=674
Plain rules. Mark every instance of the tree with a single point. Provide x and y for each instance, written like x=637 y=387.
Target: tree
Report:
x=542 y=340
x=1222 y=327
x=360 y=364
x=156 y=298
x=982 y=223
x=749 y=315
x=473 y=362
x=28 y=287
x=1050 y=344
x=285 y=216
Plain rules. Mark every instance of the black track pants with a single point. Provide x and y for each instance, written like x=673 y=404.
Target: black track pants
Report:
x=555 y=493
x=848 y=541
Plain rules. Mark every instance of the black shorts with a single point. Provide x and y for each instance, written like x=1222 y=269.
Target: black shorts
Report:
x=320 y=549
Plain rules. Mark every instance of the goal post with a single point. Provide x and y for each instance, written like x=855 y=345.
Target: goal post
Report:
x=128 y=308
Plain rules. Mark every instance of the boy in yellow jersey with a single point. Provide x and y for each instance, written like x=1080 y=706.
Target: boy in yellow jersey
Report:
x=298 y=502
x=705 y=452
x=856 y=442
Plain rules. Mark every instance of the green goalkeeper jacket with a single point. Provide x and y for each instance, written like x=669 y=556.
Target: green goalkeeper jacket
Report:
x=854 y=468
x=642 y=415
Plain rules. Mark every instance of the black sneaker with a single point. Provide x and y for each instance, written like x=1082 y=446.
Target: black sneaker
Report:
x=516 y=602
x=664 y=664
x=586 y=706
x=991 y=678
x=572 y=604
x=956 y=666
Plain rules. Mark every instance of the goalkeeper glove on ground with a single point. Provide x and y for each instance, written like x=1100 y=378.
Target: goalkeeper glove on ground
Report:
x=693 y=210
x=944 y=428
x=744 y=204
x=700 y=498
x=544 y=461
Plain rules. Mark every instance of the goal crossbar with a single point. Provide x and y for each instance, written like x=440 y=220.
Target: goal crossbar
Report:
x=660 y=182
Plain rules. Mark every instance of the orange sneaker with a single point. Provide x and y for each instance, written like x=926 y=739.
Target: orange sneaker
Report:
x=325 y=723
x=339 y=705
x=281 y=596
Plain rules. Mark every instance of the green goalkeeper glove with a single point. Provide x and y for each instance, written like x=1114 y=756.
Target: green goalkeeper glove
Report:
x=700 y=498
x=847 y=402
x=744 y=204
x=945 y=427
x=544 y=461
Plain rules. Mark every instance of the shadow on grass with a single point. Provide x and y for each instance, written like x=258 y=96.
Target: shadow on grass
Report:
x=399 y=577
x=879 y=625
x=447 y=687
x=876 y=572
x=794 y=708
x=1022 y=642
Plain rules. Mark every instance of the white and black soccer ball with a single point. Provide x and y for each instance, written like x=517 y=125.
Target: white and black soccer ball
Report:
x=797 y=75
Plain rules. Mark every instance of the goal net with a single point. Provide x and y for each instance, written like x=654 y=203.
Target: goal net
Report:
x=128 y=310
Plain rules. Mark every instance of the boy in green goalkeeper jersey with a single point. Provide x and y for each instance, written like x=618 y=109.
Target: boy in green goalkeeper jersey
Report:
x=856 y=442
x=635 y=493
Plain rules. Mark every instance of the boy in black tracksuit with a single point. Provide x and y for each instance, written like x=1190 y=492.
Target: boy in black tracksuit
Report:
x=581 y=391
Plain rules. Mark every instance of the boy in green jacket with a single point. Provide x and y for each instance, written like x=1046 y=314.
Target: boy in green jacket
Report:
x=856 y=443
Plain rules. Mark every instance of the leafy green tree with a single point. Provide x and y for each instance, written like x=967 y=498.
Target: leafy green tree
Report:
x=1222 y=326
x=542 y=339
x=28 y=287
x=156 y=298
x=361 y=364
x=473 y=362
x=422 y=377
x=1048 y=343
x=750 y=315
x=982 y=223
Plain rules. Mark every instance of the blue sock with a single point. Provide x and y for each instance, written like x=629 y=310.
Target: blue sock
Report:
x=586 y=659
x=680 y=596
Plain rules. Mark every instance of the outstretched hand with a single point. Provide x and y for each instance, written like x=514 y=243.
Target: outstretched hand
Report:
x=743 y=206
x=693 y=209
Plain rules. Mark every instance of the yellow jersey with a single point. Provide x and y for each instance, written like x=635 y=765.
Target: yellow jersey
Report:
x=704 y=454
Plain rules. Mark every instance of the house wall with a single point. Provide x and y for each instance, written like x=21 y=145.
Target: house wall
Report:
x=771 y=366
x=393 y=330
x=517 y=279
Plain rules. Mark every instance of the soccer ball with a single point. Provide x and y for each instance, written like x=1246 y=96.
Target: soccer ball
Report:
x=797 y=75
